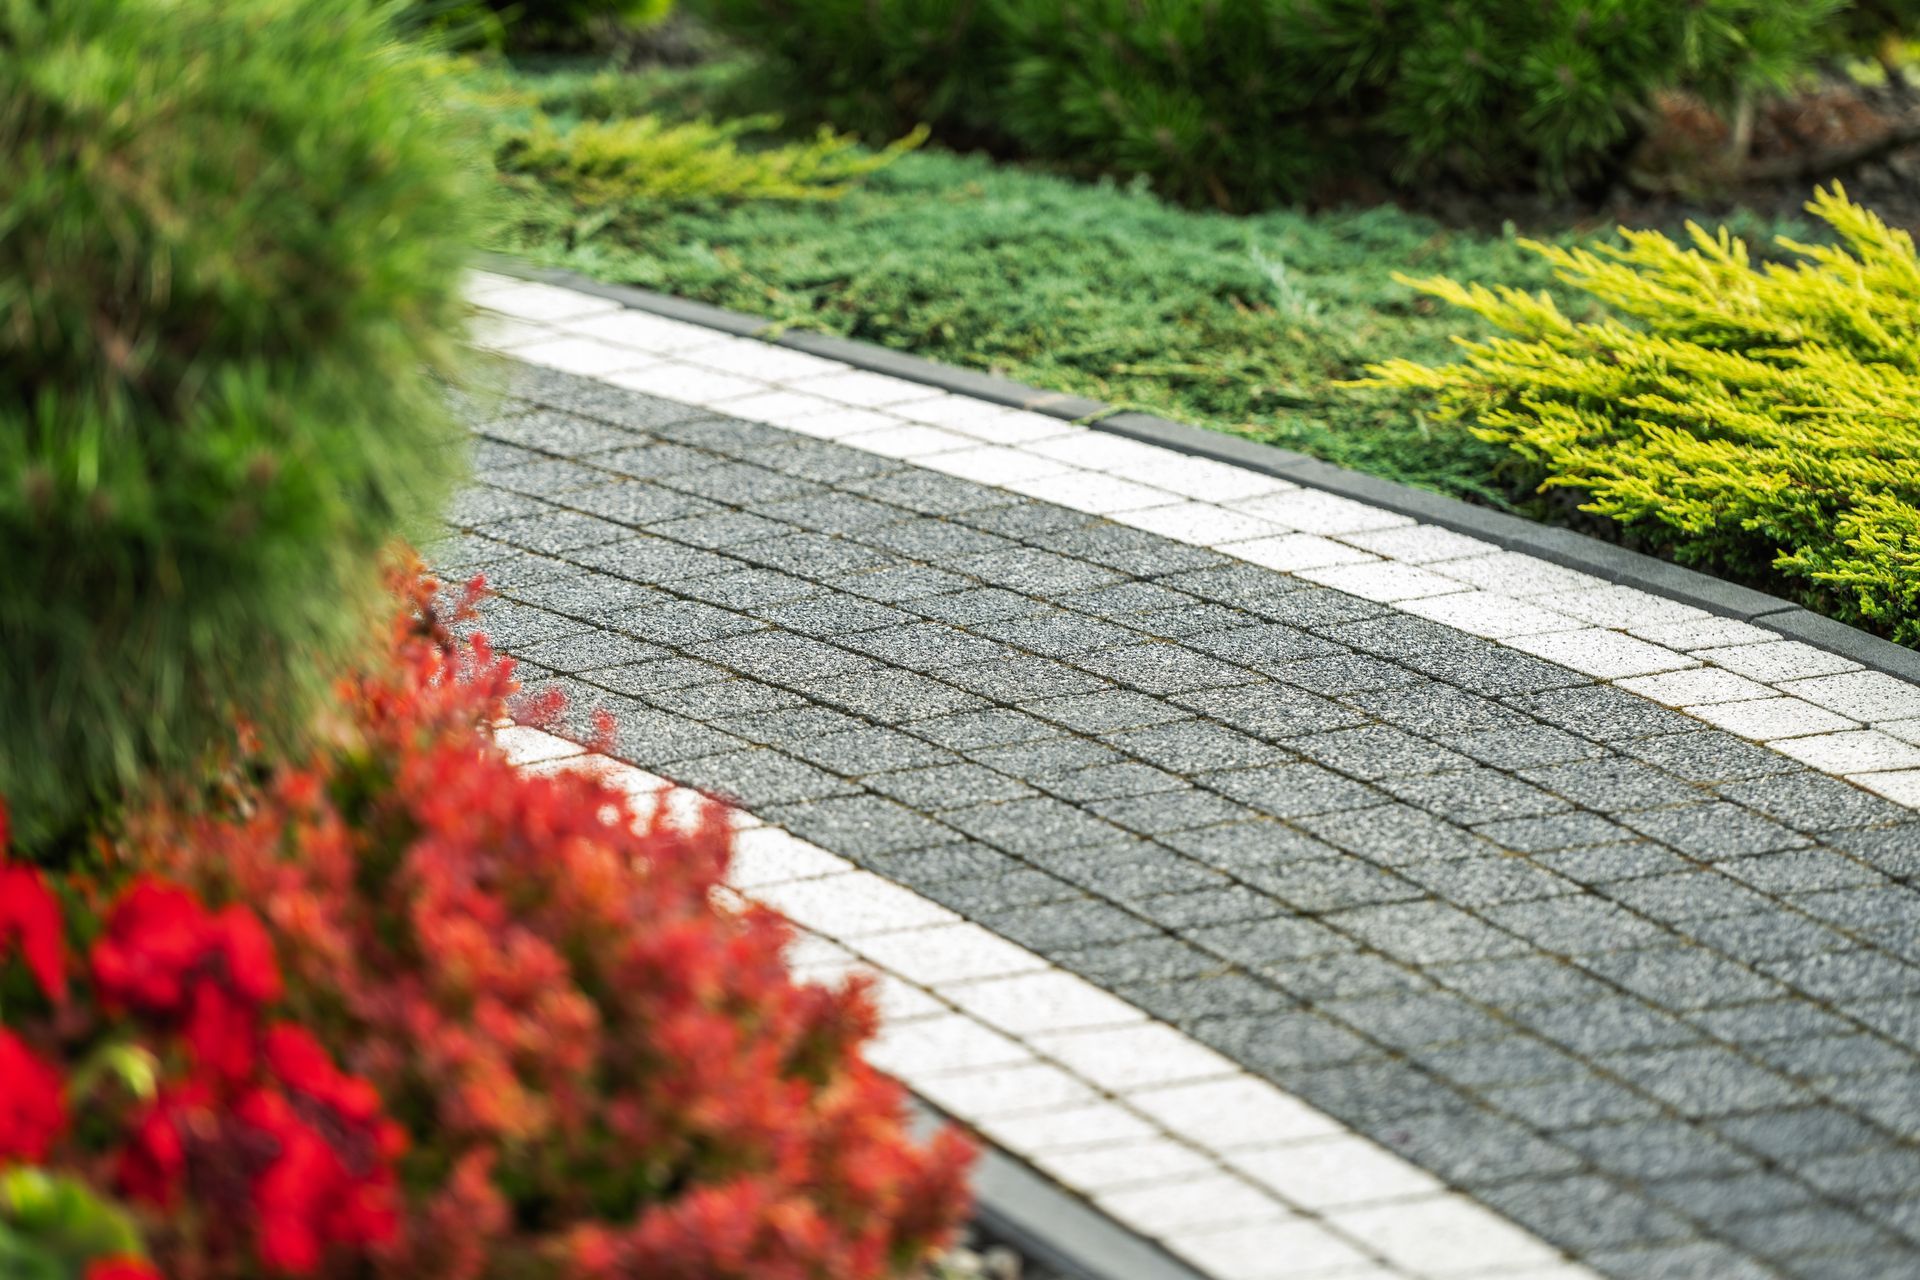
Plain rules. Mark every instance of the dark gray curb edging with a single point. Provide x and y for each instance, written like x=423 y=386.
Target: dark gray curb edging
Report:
x=1558 y=546
x=1053 y=1227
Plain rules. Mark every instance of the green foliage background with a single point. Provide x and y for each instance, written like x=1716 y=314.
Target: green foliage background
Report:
x=1241 y=103
x=231 y=233
x=54 y=1228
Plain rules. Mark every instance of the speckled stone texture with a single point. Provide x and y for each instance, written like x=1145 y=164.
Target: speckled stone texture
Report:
x=1647 y=989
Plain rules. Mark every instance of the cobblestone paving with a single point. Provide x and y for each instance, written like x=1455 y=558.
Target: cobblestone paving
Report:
x=1647 y=989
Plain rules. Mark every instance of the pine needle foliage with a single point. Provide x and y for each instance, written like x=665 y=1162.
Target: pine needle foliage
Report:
x=1760 y=420
x=231 y=236
x=1241 y=103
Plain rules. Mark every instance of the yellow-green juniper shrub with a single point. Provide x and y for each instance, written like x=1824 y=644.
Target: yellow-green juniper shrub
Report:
x=1762 y=420
x=528 y=24
x=650 y=161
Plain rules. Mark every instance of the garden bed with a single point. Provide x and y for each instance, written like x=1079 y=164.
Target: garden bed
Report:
x=1239 y=324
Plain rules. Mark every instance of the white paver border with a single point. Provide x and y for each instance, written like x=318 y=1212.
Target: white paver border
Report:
x=1179 y=1144
x=1639 y=641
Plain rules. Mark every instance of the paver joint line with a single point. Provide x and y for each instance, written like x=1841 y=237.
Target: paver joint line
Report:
x=1627 y=914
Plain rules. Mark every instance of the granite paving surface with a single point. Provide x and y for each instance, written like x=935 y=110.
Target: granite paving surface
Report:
x=1647 y=989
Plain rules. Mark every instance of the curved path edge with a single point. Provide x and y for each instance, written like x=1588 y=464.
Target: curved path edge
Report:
x=1155 y=1130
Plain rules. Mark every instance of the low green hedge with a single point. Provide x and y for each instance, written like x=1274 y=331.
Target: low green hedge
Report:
x=1762 y=421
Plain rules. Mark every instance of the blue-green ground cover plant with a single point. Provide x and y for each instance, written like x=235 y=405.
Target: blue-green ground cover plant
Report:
x=1240 y=324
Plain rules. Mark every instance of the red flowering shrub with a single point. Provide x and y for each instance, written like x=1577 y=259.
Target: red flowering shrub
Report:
x=168 y=958
x=122 y=1269
x=261 y=1155
x=32 y=1112
x=30 y=921
x=603 y=1074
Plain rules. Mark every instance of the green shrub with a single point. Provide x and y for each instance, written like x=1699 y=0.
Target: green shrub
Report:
x=1244 y=102
x=230 y=245
x=878 y=67
x=1760 y=421
x=53 y=1227
x=707 y=88
x=1248 y=100
x=1878 y=27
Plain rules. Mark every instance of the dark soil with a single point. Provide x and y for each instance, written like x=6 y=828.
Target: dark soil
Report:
x=1684 y=168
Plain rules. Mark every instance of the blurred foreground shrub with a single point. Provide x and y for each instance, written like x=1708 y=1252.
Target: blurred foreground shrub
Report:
x=1762 y=421
x=232 y=237
x=1244 y=102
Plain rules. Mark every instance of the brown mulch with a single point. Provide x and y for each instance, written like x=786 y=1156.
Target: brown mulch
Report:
x=1868 y=138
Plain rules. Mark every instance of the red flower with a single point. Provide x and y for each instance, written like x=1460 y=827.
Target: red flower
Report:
x=164 y=955
x=296 y=1059
x=30 y=916
x=155 y=940
x=292 y=1195
x=313 y=1177
x=326 y=1185
x=153 y=1164
x=32 y=1114
x=606 y=1074
x=248 y=955
x=121 y=1269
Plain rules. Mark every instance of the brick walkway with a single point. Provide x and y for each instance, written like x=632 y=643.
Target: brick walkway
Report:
x=1646 y=988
